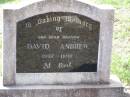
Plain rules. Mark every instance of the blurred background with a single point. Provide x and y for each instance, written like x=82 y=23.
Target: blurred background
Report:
x=120 y=64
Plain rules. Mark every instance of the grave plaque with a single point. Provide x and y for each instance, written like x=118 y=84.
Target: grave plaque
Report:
x=57 y=42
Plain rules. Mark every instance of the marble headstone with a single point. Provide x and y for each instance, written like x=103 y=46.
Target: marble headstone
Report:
x=57 y=42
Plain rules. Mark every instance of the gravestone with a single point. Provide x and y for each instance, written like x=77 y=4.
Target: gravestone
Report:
x=72 y=39
x=58 y=48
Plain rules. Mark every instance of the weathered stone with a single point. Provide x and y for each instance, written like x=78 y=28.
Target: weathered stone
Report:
x=114 y=89
x=20 y=69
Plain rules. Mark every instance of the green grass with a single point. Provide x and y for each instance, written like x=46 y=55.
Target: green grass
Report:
x=6 y=1
x=0 y=55
x=121 y=45
x=121 y=67
x=115 y=3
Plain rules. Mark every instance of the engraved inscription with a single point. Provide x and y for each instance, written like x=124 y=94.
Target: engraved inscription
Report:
x=57 y=42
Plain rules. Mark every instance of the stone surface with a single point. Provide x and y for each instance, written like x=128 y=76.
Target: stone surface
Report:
x=12 y=16
x=127 y=91
x=127 y=94
x=114 y=89
x=1 y=19
x=79 y=92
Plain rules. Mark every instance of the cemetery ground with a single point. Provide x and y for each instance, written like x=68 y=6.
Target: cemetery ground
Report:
x=121 y=39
